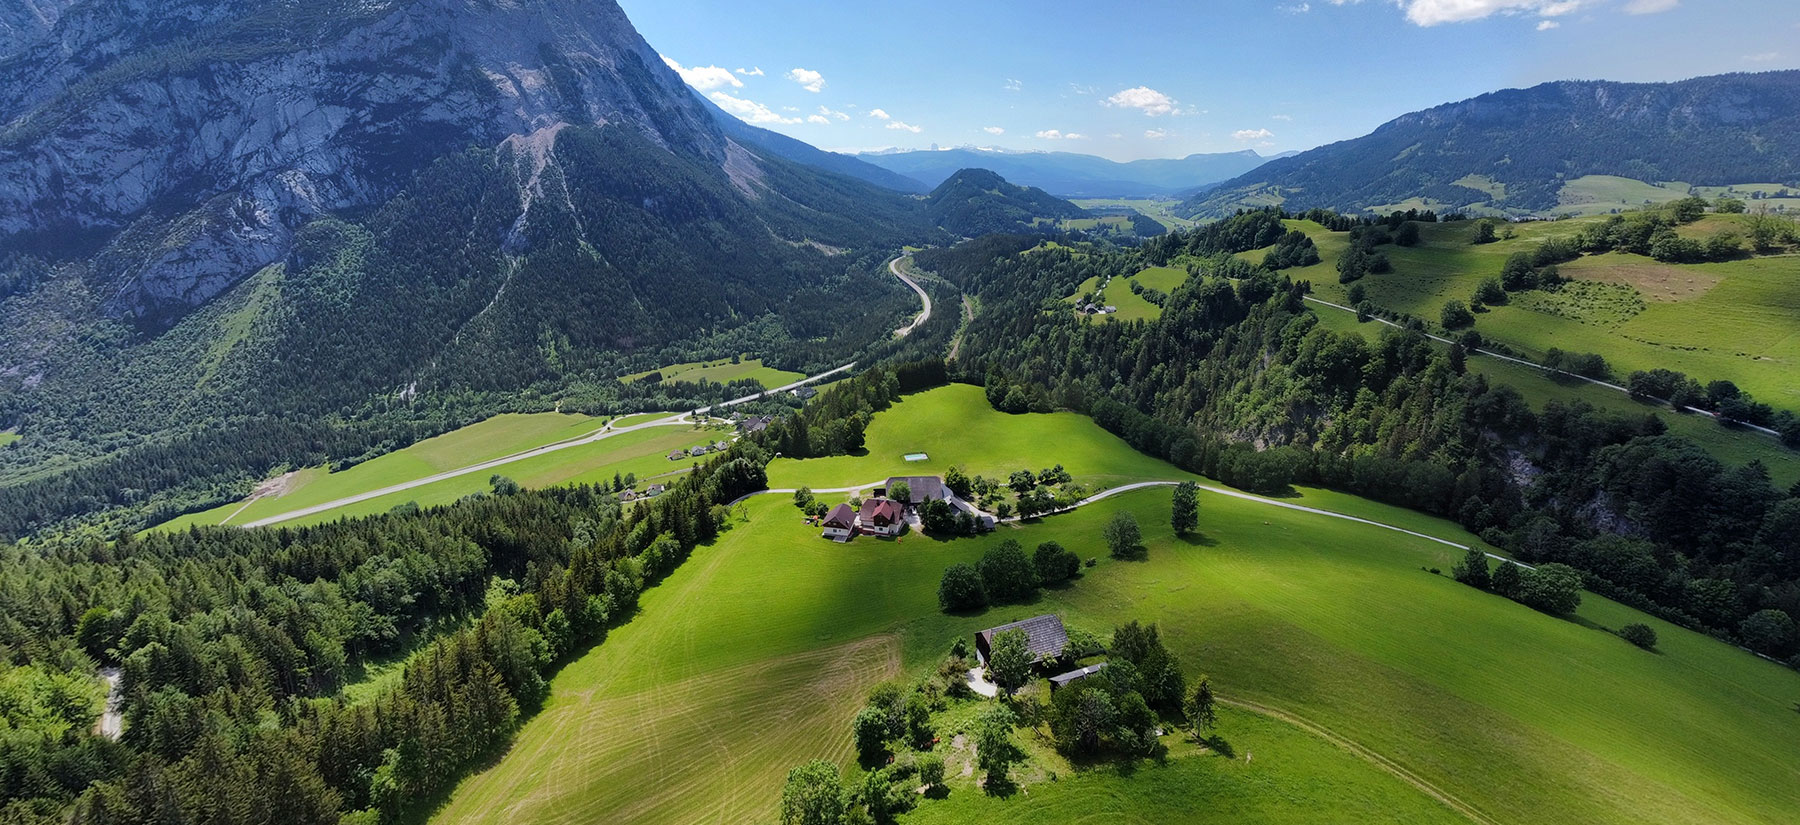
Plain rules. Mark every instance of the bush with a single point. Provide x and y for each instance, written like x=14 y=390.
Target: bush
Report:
x=1473 y=570
x=961 y=589
x=1490 y=292
x=1552 y=588
x=1055 y=564
x=1456 y=315
x=1639 y=634
x=1006 y=574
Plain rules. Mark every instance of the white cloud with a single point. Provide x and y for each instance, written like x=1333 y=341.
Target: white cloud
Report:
x=1013 y=85
x=1281 y=117
x=705 y=78
x=1297 y=8
x=993 y=130
x=904 y=127
x=808 y=79
x=749 y=110
x=828 y=112
x=1437 y=12
x=1762 y=57
x=1145 y=99
x=1546 y=25
x=756 y=72
x=1156 y=134
x=1252 y=134
x=1058 y=134
x=880 y=114
x=1650 y=6
x=819 y=119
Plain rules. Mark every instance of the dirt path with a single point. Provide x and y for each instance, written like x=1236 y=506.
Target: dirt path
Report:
x=112 y=720
x=1385 y=764
x=968 y=315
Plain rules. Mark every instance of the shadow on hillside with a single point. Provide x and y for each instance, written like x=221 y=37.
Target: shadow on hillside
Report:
x=1197 y=539
x=1217 y=744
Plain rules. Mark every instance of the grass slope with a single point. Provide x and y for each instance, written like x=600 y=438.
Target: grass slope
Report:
x=754 y=656
x=723 y=371
x=1130 y=305
x=9 y=437
x=643 y=452
x=1738 y=321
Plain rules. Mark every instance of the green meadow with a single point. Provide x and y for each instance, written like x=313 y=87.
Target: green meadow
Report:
x=723 y=371
x=1132 y=306
x=643 y=452
x=9 y=437
x=1361 y=687
x=1737 y=321
x=1160 y=210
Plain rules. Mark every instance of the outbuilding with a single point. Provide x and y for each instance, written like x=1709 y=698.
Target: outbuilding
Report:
x=1062 y=680
x=1045 y=638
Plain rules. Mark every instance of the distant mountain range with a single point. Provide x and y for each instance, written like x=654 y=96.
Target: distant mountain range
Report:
x=1072 y=175
x=1512 y=151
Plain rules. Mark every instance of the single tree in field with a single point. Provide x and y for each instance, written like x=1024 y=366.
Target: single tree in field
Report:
x=1201 y=713
x=870 y=730
x=1639 y=634
x=813 y=795
x=931 y=770
x=1473 y=570
x=1185 y=515
x=1484 y=232
x=961 y=589
x=1123 y=536
x=1009 y=660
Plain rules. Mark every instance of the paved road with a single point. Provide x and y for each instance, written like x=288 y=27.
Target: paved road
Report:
x=925 y=314
x=674 y=420
x=1541 y=368
x=1143 y=485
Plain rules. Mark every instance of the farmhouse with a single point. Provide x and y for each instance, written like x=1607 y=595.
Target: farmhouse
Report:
x=923 y=489
x=1045 y=638
x=628 y=494
x=678 y=455
x=882 y=517
x=1063 y=680
x=754 y=425
x=699 y=450
x=654 y=490
x=840 y=523
x=804 y=393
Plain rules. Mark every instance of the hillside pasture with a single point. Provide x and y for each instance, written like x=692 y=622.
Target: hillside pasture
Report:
x=753 y=657
x=722 y=371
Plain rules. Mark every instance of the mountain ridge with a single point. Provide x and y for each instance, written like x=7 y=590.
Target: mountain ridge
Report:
x=1720 y=129
x=1072 y=174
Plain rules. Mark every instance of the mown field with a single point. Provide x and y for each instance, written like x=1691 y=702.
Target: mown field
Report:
x=643 y=452
x=1736 y=321
x=1132 y=306
x=723 y=371
x=755 y=655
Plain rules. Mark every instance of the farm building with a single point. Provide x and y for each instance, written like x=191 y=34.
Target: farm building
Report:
x=882 y=517
x=754 y=425
x=803 y=393
x=678 y=455
x=1045 y=638
x=655 y=490
x=923 y=489
x=840 y=523
x=1062 y=680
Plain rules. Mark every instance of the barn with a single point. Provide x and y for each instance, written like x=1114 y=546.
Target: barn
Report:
x=1045 y=638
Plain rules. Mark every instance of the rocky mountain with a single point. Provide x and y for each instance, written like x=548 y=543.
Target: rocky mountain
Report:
x=1073 y=175
x=221 y=217
x=1512 y=150
x=979 y=202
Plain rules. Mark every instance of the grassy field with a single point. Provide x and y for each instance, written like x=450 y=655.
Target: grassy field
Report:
x=723 y=371
x=1738 y=321
x=7 y=437
x=1162 y=211
x=955 y=426
x=1131 y=306
x=643 y=452
x=754 y=656
x=1732 y=446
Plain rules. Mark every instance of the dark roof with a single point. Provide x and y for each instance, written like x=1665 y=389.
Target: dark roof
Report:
x=1044 y=636
x=924 y=488
x=880 y=508
x=841 y=516
x=1076 y=675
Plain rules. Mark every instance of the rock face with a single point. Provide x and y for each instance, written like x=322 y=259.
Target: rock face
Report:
x=185 y=140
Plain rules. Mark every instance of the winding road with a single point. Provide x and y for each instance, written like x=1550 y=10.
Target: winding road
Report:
x=924 y=314
x=673 y=420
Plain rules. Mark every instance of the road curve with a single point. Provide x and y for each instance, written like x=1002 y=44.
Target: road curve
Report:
x=925 y=314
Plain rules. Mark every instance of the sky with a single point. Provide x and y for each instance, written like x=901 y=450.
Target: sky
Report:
x=1169 y=78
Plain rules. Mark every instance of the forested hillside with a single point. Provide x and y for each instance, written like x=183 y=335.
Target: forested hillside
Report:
x=443 y=258
x=1514 y=149
x=977 y=202
x=1237 y=380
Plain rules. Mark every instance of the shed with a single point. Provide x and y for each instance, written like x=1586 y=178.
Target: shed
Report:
x=1045 y=638
x=1062 y=680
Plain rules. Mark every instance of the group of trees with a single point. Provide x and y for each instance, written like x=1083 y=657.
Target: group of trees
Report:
x=1724 y=398
x=234 y=644
x=1551 y=587
x=1239 y=381
x=1005 y=575
x=1119 y=709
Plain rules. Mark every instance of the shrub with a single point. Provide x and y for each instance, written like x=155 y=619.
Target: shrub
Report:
x=1054 y=563
x=1639 y=634
x=1552 y=588
x=1456 y=315
x=1473 y=570
x=1006 y=574
x=961 y=589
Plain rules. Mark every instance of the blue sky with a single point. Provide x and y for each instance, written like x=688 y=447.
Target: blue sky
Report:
x=1162 y=78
